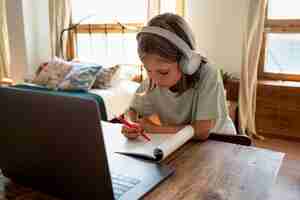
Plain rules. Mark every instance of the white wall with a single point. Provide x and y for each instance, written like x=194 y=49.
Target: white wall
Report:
x=218 y=27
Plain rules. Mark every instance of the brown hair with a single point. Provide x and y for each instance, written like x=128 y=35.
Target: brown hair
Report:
x=153 y=44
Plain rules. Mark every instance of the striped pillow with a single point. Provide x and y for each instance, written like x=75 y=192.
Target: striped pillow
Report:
x=105 y=77
x=81 y=77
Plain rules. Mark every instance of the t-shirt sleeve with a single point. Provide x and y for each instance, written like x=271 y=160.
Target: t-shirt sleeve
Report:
x=141 y=102
x=209 y=102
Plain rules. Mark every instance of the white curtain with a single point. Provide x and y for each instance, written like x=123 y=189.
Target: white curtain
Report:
x=4 y=44
x=59 y=19
x=252 y=40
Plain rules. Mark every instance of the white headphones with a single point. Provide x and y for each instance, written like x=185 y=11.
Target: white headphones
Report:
x=191 y=60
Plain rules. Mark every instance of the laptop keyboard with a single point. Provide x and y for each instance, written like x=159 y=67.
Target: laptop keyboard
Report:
x=122 y=184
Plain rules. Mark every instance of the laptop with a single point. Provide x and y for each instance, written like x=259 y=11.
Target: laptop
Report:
x=54 y=143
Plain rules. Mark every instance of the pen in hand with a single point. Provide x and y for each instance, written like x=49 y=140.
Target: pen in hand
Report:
x=122 y=120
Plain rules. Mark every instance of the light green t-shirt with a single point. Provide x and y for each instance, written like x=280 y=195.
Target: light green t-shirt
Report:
x=206 y=101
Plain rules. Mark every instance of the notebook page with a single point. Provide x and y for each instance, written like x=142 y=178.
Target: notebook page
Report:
x=141 y=146
x=166 y=143
x=115 y=141
x=174 y=141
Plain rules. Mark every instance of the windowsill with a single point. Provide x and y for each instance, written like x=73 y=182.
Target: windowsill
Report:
x=280 y=83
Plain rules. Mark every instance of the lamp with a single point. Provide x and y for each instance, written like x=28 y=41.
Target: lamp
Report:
x=74 y=26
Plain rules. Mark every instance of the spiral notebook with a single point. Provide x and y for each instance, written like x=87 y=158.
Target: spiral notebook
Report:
x=160 y=146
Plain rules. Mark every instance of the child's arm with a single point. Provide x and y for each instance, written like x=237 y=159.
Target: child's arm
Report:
x=152 y=127
x=150 y=124
x=202 y=128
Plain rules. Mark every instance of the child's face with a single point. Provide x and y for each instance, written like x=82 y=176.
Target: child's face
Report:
x=163 y=72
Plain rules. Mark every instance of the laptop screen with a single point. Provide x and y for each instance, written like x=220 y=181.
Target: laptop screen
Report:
x=54 y=140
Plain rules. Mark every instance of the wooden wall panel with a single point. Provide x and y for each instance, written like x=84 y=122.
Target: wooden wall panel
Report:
x=267 y=119
x=290 y=123
x=277 y=107
x=290 y=97
x=278 y=110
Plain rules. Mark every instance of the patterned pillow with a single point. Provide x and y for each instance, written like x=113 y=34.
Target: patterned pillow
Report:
x=105 y=77
x=81 y=77
x=52 y=73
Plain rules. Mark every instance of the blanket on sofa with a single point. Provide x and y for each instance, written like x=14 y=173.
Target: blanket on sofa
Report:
x=80 y=94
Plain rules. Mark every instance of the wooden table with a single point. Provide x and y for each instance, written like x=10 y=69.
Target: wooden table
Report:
x=204 y=171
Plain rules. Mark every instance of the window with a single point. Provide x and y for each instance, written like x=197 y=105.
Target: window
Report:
x=280 y=58
x=107 y=30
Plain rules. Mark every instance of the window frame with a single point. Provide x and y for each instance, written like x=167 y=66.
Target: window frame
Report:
x=99 y=28
x=276 y=26
x=111 y=28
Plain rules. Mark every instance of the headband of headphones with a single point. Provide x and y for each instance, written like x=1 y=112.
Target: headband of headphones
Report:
x=191 y=59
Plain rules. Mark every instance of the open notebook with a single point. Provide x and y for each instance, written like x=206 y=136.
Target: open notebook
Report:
x=160 y=146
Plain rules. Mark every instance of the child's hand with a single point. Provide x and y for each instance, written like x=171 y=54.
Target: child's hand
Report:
x=131 y=132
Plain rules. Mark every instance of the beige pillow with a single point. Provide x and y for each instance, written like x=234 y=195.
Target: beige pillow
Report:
x=53 y=73
x=105 y=77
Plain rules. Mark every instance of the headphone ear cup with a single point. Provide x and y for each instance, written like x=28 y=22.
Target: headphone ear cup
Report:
x=184 y=64
x=190 y=65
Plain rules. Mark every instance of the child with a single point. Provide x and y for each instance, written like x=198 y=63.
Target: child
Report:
x=183 y=88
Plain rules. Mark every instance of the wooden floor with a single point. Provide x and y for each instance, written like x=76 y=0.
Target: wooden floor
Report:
x=288 y=181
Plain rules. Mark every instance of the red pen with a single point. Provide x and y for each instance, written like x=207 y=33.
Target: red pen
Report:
x=145 y=136
x=133 y=126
